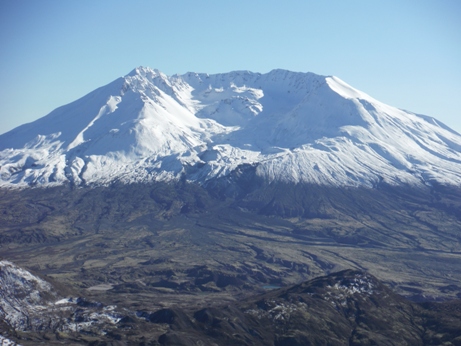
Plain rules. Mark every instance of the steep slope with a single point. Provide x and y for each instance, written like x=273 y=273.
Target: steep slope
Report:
x=31 y=307
x=289 y=127
x=23 y=297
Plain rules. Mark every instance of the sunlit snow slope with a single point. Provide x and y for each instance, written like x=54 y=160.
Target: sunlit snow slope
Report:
x=292 y=127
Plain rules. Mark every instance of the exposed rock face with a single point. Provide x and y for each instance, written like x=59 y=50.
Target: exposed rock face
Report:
x=30 y=305
x=23 y=297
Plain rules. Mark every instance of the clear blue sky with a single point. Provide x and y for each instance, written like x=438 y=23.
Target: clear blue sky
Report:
x=404 y=53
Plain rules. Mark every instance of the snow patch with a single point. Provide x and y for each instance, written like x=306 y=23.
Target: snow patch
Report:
x=7 y=342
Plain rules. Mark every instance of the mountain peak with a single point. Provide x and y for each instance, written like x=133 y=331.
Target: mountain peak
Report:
x=290 y=126
x=144 y=71
x=143 y=78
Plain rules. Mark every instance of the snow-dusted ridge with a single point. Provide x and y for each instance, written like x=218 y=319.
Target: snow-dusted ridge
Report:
x=28 y=303
x=292 y=127
x=21 y=296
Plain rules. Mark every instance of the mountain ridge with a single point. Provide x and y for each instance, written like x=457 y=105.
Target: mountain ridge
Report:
x=346 y=307
x=291 y=126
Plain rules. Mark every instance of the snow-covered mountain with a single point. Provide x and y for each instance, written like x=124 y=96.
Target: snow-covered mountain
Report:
x=290 y=127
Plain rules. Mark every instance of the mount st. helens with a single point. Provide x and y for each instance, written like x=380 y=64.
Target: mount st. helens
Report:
x=283 y=126
x=166 y=195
